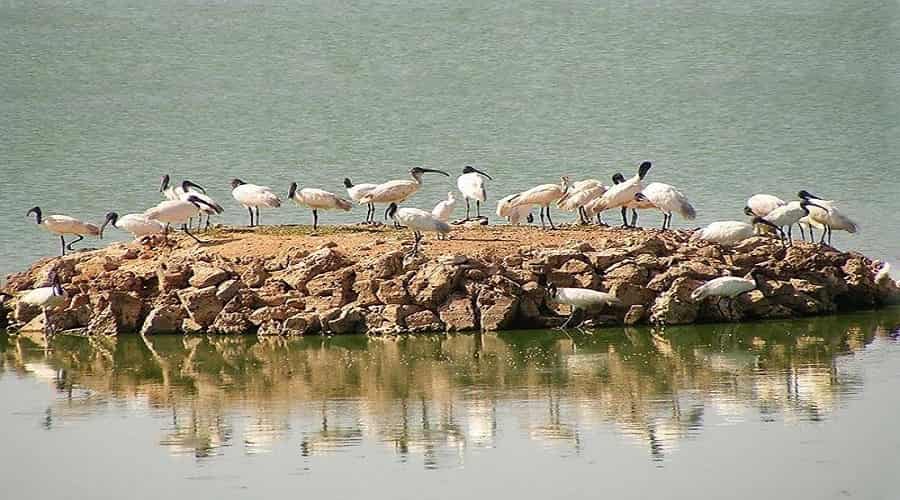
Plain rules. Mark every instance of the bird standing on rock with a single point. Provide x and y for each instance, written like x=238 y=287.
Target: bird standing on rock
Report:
x=828 y=216
x=579 y=299
x=63 y=225
x=622 y=194
x=726 y=287
x=668 y=200
x=317 y=199
x=138 y=225
x=471 y=185
x=729 y=232
x=177 y=212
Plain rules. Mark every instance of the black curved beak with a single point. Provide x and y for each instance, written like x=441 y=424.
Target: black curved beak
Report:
x=198 y=187
x=435 y=171
x=810 y=204
x=482 y=173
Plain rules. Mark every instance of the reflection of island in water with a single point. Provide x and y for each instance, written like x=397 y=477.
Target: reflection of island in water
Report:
x=437 y=397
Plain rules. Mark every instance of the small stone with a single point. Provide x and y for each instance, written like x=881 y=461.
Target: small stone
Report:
x=205 y=276
x=163 y=319
x=201 y=304
x=393 y=292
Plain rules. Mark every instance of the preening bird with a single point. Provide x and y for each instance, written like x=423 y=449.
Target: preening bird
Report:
x=471 y=185
x=543 y=196
x=252 y=196
x=138 y=225
x=444 y=209
x=63 y=225
x=759 y=205
x=579 y=195
x=580 y=299
x=210 y=206
x=726 y=287
x=513 y=213
x=399 y=190
x=177 y=212
x=317 y=199
x=356 y=192
x=419 y=221
x=668 y=200
x=622 y=194
x=176 y=192
x=730 y=232
x=828 y=216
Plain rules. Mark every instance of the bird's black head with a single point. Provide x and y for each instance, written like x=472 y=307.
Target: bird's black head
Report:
x=644 y=168
x=618 y=178
x=806 y=203
x=760 y=220
x=36 y=212
x=530 y=218
x=640 y=197
x=806 y=195
x=468 y=169
x=164 y=183
x=111 y=218
x=391 y=211
x=236 y=182
x=200 y=203
x=188 y=186
x=293 y=190
x=551 y=290
x=348 y=183
x=749 y=212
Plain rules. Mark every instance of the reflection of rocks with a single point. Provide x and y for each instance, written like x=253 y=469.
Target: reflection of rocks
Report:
x=652 y=273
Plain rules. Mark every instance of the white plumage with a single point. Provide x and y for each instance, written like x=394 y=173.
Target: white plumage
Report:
x=727 y=287
x=471 y=185
x=579 y=195
x=513 y=213
x=251 y=196
x=356 y=192
x=883 y=274
x=62 y=225
x=668 y=200
x=176 y=212
x=581 y=298
x=542 y=195
x=828 y=216
x=399 y=190
x=729 y=232
x=759 y=205
x=46 y=297
x=786 y=216
x=444 y=209
x=137 y=224
x=419 y=221
x=622 y=194
x=318 y=199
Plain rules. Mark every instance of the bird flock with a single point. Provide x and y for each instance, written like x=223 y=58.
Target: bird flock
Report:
x=589 y=198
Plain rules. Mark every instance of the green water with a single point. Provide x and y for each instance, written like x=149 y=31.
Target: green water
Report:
x=800 y=409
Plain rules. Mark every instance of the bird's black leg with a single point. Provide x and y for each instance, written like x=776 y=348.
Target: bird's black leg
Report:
x=665 y=218
x=188 y=232
x=549 y=219
x=62 y=241
x=257 y=216
x=543 y=226
x=249 y=209
x=624 y=217
x=600 y=220
x=315 y=219
x=370 y=213
x=721 y=312
x=69 y=246
x=467 y=209
x=830 y=231
x=802 y=232
x=812 y=235
x=477 y=209
x=791 y=232
x=634 y=217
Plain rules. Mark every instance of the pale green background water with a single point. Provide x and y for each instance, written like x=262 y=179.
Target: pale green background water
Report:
x=728 y=98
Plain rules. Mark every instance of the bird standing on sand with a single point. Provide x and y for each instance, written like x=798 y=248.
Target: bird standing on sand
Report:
x=471 y=185
x=668 y=200
x=581 y=193
x=177 y=212
x=542 y=195
x=317 y=199
x=63 y=225
x=398 y=191
x=356 y=192
x=138 y=225
x=622 y=194
x=580 y=299
x=726 y=287
x=252 y=196
x=419 y=221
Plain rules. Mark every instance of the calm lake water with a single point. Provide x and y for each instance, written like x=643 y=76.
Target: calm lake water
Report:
x=802 y=409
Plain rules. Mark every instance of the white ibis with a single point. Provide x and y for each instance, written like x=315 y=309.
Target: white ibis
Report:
x=622 y=194
x=252 y=196
x=787 y=216
x=580 y=298
x=138 y=225
x=177 y=212
x=399 y=190
x=419 y=221
x=47 y=297
x=318 y=199
x=668 y=200
x=356 y=192
x=210 y=206
x=542 y=195
x=579 y=195
x=828 y=216
x=471 y=185
x=726 y=287
x=175 y=192
x=759 y=205
x=730 y=232
x=513 y=213
x=444 y=209
x=63 y=225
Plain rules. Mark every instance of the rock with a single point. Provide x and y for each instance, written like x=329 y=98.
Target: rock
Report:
x=23 y=313
x=163 y=319
x=626 y=271
x=396 y=314
x=457 y=314
x=190 y=326
x=172 y=278
x=96 y=266
x=205 y=276
x=632 y=294
x=393 y=292
x=301 y=324
x=273 y=313
x=349 y=319
x=269 y=328
x=635 y=314
x=575 y=266
x=337 y=284
x=255 y=275
x=497 y=309
x=231 y=323
x=433 y=283
x=424 y=321
x=202 y=305
x=675 y=307
x=366 y=292
x=119 y=313
x=314 y=264
x=228 y=289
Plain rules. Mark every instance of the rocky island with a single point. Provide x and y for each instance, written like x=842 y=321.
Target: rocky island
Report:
x=359 y=279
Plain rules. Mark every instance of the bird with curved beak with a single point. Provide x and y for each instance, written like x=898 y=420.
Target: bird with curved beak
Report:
x=63 y=225
x=787 y=216
x=828 y=216
x=471 y=185
x=136 y=224
x=580 y=299
x=178 y=212
x=317 y=199
x=417 y=220
x=398 y=191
